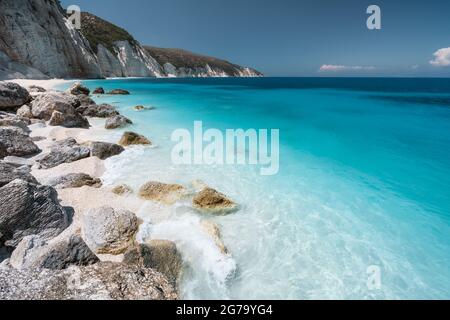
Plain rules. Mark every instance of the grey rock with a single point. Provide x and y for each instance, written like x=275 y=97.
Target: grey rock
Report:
x=15 y=142
x=85 y=101
x=15 y=121
x=29 y=209
x=116 y=122
x=78 y=89
x=102 y=281
x=45 y=104
x=99 y=90
x=100 y=111
x=109 y=231
x=25 y=112
x=9 y=172
x=75 y=180
x=68 y=120
x=104 y=150
x=119 y=92
x=36 y=89
x=57 y=254
x=160 y=255
x=65 y=151
x=19 y=162
x=12 y=95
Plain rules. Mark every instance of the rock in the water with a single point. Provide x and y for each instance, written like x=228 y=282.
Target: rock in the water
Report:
x=24 y=112
x=212 y=201
x=131 y=138
x=15 y=142
x=213 y=230
x=122 y=190
x=109 y=231
x=99 y=90
x=101 y=281
x=142 y=108
x=75 y=180
x=78 y=88
x=100 y=111
x=12 y=96
x=116 y=122
x=160 y=255
x=57 y=254
x=104 y=150
x=29 y=209
x=64 y=151
x=119 y=91
x=36 y=89
x=162 y=192
x=9 y=172
x=45 y=104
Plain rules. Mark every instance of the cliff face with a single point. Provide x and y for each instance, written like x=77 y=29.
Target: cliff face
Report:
x=35 y=35
x=119 y=54
x=182 y=63
x=37 y=41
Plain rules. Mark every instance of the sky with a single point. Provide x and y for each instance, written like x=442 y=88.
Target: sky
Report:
x=294 y=37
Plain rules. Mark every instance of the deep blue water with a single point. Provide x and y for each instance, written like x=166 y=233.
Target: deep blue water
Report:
x=364 y=181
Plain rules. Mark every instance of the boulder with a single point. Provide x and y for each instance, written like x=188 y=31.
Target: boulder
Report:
x=57 y=254
x=116 y=122
x=13 y=96
x=36 y=89
x=29 y=209
x=74 y=180
x=15 y=121
x=77 y=89
x=25 y=112
x=121 y=190
x=101 y=281
x=212 y=201
x=109 y=231
x=100 y=111
x=85 y=101
x=99 y=90
x=119 y=91
x=104 y=150
x=131 y=138
x=15 y=142
x=9 y=172
x=160 y=255
x=45 y=104
x=68 y=120
x=64 y=151
x=162 y=192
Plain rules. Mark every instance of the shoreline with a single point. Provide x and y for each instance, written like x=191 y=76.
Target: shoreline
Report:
x=85 y=198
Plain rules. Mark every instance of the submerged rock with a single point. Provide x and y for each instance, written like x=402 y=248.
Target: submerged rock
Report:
x=9 y=172
x=162 y=192
x=116 y=122
x=131 y=138
x=160 y=255
x=213 y=230
x=78 y=88
x=64 y=151
x=119 y=91
x=59 y=253
x=142 y=108
x=104 y=150
x=29 y=209
x=122 y=190
x=101 y=281
x=109 y=231
x=12 y=96
x=15 y=142
x=100 y=111
x=99 y=90
x=75 y=180
x=210 y=200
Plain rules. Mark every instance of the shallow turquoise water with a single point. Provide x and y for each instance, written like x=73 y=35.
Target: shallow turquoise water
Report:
x=364 y=181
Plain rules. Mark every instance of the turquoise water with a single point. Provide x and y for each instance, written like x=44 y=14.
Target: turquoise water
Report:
x=364 y=181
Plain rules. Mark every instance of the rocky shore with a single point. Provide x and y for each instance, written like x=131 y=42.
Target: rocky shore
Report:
x=63 y=235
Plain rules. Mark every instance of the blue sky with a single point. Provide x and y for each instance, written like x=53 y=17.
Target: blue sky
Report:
x=294 y=37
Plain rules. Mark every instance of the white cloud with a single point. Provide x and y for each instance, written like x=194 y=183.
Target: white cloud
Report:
x=442 y=58
x=339 y=68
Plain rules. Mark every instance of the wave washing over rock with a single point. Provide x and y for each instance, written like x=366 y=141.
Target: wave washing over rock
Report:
x=39 y=42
